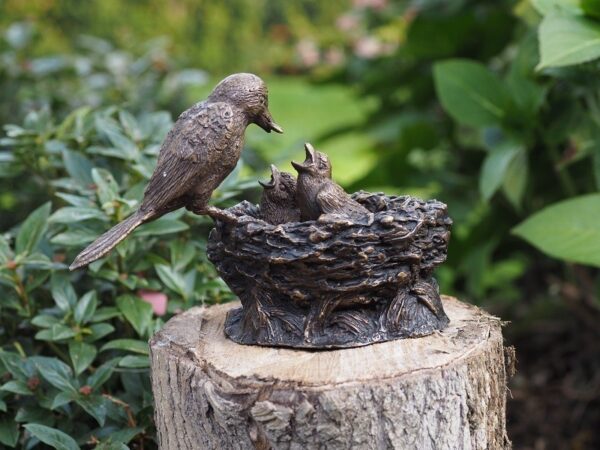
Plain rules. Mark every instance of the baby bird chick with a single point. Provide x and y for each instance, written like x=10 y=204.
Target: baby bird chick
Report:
x=278 y=201
x=317 y=193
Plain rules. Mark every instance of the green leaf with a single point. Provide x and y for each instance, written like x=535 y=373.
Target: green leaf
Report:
x=566 y=40
x=471 y=93
x=55 y=372
x=32 y=230
x=107 y=187
x=566 y=230
x=105 y=313
x=62 y=398
x=545 y=7
x=75 y=238
x=78 y=167
x=160 y=227
x=102 y=373
x=9 y=432
x=591 y=8
x=85 y=308
x=73 y=214
x=6 y=253
x=95 y=406
x=82 y=355
x=16 y=387
x=99 y=330
x=495 y=167
x=515 y=179
x=137 y=312
x=62 y=292
x=135 y=362
x=172 y=279
x=44 y=321
x=52 y=437
x=57 y=332
x=129 y=345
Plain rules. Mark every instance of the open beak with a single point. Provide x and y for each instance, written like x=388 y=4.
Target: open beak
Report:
x=310 y=152
x=266 y=122
x=274 y=178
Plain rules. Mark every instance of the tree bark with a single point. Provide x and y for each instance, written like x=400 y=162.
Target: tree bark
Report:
x=443 y=391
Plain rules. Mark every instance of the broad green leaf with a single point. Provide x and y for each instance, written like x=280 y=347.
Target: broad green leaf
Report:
x=515 y=179
x=125 y=146
x=52 y=437
x=82 y=355
x=545 y=7
x=95 y=406
x=73 y=214
x=55 y=372
x=75 y=238
x=98 y=331
x=172 y=279
x=495 y=167
x=160 y=227
x=107 y=187
x=9 y=432
x=137 y=312
x=105 y=313
x=566 y=40
x=102 y=373
x=6 y=253
x=32 y=230
x=44 y=321
x=135 y=362
x=62 y=292
x=85 y=308
x=57 y=332
x=130 y=345
x=566 y=230
x=16 y=387
x=78 y=167
x=41 y=261
x=15 y=365
x=471 y=93
x=591 y=8
x=62 y=398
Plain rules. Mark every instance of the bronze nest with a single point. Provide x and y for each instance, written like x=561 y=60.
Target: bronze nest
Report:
x=340 y=280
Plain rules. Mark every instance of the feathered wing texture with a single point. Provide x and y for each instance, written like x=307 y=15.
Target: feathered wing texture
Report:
x=186 y=159
x=332 y=199
x=193 y=145
x=108 y=241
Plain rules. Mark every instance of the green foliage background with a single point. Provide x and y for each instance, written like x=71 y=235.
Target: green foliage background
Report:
x=492 y=107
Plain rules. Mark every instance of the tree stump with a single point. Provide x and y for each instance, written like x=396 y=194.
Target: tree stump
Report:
x=443 y=391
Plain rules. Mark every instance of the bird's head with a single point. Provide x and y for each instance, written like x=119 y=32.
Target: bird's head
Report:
x=316 y=163
x=281 y=186
x=249 y=93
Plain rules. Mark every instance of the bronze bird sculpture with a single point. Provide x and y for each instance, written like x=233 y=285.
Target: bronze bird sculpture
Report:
x=278 y=201
x=317 y=193
x=201 y=149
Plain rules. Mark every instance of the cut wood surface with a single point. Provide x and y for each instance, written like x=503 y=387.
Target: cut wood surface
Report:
x=443 y=391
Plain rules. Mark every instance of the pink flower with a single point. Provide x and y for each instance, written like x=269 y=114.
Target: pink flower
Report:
x=158 y=300
x=368 y=47
x=308 y=52
x=334 y=56
x=347 y=22
x=375 y=4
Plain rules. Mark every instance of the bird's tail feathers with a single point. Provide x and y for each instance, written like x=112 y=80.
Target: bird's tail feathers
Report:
x=109 y=240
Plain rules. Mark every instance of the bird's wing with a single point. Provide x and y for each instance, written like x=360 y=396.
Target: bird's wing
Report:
x=331 y=199
x=195 y=141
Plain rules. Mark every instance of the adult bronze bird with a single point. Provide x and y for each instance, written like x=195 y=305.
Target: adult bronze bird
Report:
x=278 y=201
x=198 y=153
x=317 y=193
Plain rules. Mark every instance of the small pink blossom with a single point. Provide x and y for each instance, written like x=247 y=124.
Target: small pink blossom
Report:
x=308 y=52
x=158 y=300
x=368 y=47
x=347 y=22
x=334 y=56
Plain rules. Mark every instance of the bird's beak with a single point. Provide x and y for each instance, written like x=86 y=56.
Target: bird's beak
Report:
x=299 y=167
x=310 y=152
x=266 y=122
x=274 y=178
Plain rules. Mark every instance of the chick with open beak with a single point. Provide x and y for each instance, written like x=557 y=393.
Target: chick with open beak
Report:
x=278 y=201
x=317 y=193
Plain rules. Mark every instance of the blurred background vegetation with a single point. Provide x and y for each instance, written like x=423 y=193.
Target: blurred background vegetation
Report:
x=490 y=106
